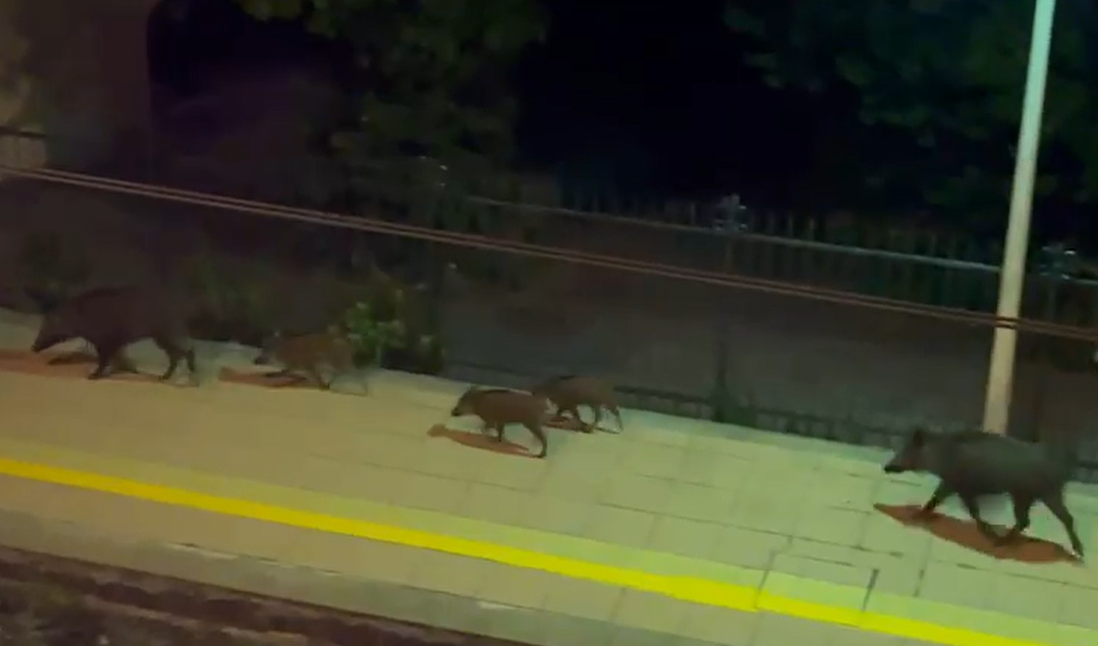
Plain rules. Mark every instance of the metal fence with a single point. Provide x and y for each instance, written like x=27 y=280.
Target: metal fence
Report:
x=774 y=361
x=865 y=254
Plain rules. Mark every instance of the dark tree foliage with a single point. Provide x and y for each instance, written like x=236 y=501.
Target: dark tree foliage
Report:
x=946 y=77
x=434 y=73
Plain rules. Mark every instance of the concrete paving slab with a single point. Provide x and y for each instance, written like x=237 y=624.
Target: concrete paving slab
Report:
x=1078 y=607
x=514 y=586
x=422 y=609
x=569 y=630
x=832 y=525
x=748 y=548
x=497 y=504
x=584 y=599
x=673 y=497
x=856 y=579
x=884 y=535
x=773 y=511
x=449 y=573
x=626 y=527
x=651 y=612
x=776 y=630
x=901 y=577
x=844 y=490
x=518 y=474
x=954 y=584
x=720 y=626
x=1022 y=596
x=684 y=537
x=423 y=491
x=638 y=492
x=699 y=502
x=830 y=552
x=653 y=460
x=576 y=484
x=521 y=625
x=559 y=516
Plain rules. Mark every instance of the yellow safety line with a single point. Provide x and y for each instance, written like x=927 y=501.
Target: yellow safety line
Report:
x=691 y=589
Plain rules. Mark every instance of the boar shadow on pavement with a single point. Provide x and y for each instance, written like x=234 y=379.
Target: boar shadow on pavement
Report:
x=275 y=379
x=478 y=440
x=72 y=364
x=268 y=379
x=966 y=534
x=75 y=357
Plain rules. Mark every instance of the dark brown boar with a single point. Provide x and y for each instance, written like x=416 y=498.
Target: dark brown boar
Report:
x=497 y=408
x=111 y=318
x=973 y=465
x=569 y=392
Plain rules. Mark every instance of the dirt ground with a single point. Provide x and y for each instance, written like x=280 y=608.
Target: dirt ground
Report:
x=48 y=601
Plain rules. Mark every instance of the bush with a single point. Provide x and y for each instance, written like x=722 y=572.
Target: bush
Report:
x=371 y=335
x=390 y=330
x=230 y=308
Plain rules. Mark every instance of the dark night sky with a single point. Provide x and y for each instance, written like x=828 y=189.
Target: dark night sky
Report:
x=653 y=98
x=662 y=82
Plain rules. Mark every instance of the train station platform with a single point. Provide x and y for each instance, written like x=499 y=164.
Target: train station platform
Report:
x=675 y=531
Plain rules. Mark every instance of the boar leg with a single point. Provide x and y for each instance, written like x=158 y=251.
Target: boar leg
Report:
x=937 y=498
x=972 y=506
x=188 y=356
x=122 y=363
x=1055 y=504
x=1022 y=506
x=174 y=352
x=540 y=434
x=314 y=372
x=598 y=418
x=573 y=412
x=106 y=354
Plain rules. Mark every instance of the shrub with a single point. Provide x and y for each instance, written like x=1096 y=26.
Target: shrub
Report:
x=389 y=329
x=371 y=335
x=230 y=308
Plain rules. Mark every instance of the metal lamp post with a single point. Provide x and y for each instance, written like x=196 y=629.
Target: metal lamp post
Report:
x=1012 y=277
